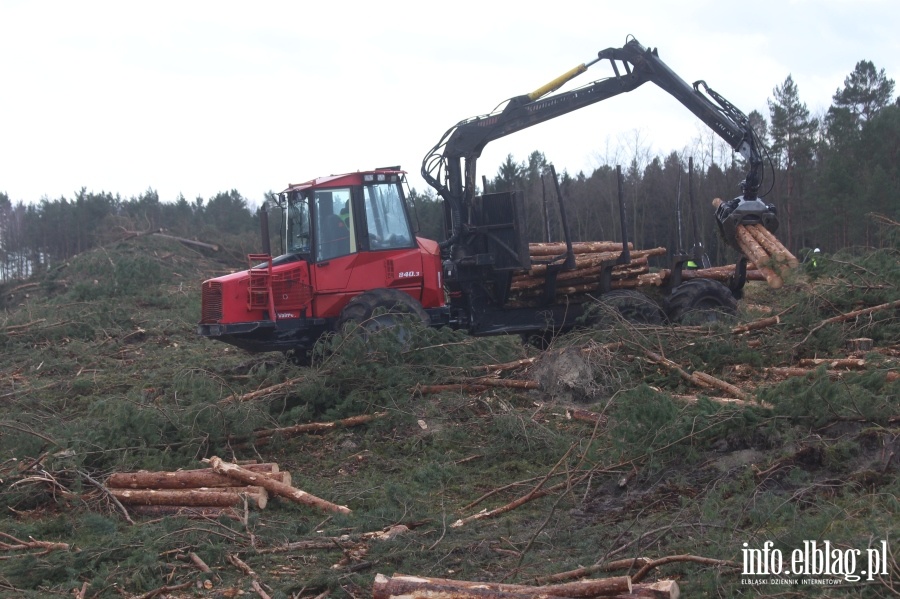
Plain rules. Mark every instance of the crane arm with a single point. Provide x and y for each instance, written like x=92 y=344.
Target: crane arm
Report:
x=450 y=166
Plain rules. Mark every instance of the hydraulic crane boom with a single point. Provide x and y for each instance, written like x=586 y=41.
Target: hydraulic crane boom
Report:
x=450 y=166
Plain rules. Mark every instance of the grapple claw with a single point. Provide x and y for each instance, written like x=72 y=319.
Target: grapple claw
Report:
x=731 y=214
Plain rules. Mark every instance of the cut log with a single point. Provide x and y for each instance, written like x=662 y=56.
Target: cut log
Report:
x=586 y=416
x=839 y=363
x=772 y=246
x=207 y=497
x=750 y=247
x=716 y=273
x=662 y=589
x=861 y=344
x=282 y=490
x=182 y=479
x=756 y=325
x=589 y=260
x=415 y=587
x=508 y=383
x=578 y=247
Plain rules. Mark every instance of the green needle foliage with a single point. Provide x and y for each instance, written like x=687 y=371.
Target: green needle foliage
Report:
x=109 y=376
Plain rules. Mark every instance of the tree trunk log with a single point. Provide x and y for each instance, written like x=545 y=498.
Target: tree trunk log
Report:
x=840 y=363
x=592 y=260
x=755 y=325
x=751 y=248
x=663 y=589
x=773 y=247
x=578 y=247
x=282 y=490
x=223 y=497
x=415 y=587
x=181 y=479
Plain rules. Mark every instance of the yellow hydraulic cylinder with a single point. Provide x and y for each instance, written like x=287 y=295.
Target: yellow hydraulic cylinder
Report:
x=557 y=83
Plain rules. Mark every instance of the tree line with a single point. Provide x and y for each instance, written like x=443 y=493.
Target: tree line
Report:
x=35 y=237
x=827 y=175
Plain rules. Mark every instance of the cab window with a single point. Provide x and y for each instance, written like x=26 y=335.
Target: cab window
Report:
x=386 y=221
x=297 y=234
x=334 y=226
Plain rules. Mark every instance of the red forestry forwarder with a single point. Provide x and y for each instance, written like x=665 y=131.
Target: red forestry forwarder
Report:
x=350 y=254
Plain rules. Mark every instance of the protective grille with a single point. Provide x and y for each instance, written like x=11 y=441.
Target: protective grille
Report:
x=289 y=289
x=212 y=302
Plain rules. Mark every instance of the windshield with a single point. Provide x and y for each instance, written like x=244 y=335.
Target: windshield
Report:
x=297 y=225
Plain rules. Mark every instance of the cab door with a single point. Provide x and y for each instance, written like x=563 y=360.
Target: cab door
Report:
x=334 y=239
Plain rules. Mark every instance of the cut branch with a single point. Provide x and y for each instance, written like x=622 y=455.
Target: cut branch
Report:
x=700 y=379
x=640 y=574
x=19 y=545
x=315 y=427
x=264 y=391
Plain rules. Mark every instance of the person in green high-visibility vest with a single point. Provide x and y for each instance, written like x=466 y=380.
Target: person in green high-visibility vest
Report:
x=690 y=264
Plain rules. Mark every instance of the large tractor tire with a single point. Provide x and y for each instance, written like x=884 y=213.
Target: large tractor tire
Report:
x=631 y=306
x=382 y=309
x=700 y=301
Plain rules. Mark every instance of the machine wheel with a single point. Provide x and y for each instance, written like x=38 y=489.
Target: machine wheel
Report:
x=632 y=306
x=700 y=301
x=381 y=309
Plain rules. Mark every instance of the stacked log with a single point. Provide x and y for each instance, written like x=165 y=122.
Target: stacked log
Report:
x=576 y=284
x=202 y=492
x=716 y=273
x=759 y=245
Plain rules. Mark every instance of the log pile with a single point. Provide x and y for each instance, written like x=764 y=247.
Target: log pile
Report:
x=577 y=284
x=762 y=248
x=590 y=257
x=208 y=492
x=200 y=493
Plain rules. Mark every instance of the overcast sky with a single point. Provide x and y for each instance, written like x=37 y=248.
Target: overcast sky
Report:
x=196 y=97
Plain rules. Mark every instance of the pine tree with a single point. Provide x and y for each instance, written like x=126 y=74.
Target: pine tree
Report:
x=866 y=91
x=793 y=141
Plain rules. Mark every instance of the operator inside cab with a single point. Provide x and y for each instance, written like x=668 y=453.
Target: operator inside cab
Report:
x=335 y=233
